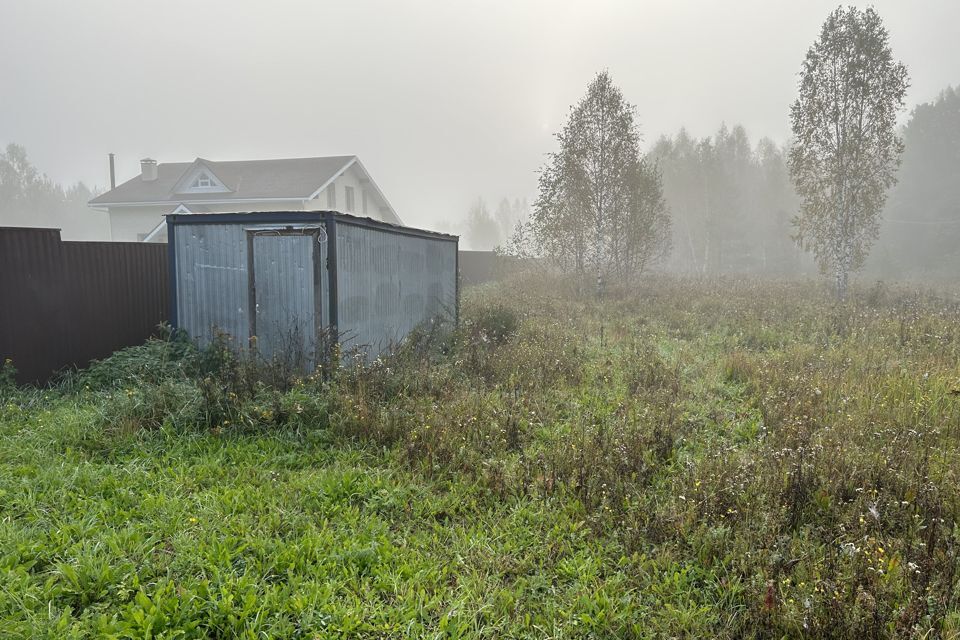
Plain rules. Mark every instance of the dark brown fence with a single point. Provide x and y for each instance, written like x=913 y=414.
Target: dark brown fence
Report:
x=480 y=267
x=477 y=267
x=63 y=304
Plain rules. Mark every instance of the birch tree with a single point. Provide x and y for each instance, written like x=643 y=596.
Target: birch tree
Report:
x=600 y=210
x=846 y=149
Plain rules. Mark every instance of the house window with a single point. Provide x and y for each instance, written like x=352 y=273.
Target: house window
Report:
x=363 y=201
x=348 y=196
x=203 y=181
x=332 y=197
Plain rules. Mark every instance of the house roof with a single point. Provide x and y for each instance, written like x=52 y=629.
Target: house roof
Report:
x=246 y=179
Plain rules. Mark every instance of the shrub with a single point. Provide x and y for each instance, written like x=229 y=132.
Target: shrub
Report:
x=169 y=381
x=171 y=355
x=146 y=405
x=495 y=323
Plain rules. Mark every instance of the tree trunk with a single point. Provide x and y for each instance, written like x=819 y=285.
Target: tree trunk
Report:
x=841 y=278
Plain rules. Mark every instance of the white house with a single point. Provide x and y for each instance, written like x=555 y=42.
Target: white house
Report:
x=337 y=183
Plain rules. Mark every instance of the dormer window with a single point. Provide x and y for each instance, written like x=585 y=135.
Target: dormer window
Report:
x=200 y=179
x=203 y=181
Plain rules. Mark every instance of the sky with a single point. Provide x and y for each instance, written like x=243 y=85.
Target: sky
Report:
x=443 y=100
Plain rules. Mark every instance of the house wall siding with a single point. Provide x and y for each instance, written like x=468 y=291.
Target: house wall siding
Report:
x=351 y=178
x=128 y=224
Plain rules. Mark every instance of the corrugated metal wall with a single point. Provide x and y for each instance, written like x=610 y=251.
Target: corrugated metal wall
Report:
x=214 y=285
x=287 y=291
x=212 y=281
x=63 y=304
x=390 y=282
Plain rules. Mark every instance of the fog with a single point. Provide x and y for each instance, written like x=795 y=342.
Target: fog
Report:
x=444 y=101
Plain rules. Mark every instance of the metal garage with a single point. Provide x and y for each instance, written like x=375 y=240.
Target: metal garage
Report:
x=291 y=283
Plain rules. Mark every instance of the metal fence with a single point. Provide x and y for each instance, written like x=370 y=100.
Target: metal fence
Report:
x=477 y=267
x=481 y=267
x=63 y=304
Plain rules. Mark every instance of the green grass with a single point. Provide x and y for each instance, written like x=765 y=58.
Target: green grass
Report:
x=283 y=535
x=682 y=460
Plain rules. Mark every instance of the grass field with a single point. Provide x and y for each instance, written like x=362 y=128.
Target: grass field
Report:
x=722 y=459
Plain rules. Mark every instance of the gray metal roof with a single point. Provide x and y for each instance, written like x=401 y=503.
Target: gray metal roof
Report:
x=297 y=217
x=245 y=179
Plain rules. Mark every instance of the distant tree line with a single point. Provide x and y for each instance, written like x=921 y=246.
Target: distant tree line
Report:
x=733 y=205
x=920 y=231
x=731 y=202
x=848 y=179
x=485 y=231
x=29 y=198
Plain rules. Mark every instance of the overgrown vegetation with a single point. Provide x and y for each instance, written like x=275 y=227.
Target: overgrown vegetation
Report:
x=721 y=459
